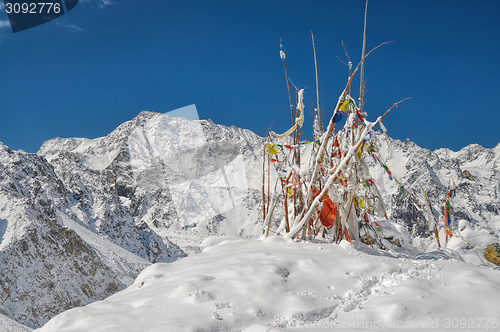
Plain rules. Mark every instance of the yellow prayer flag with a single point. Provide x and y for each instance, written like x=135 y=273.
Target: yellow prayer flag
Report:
x=344 y=105
x=272 y=149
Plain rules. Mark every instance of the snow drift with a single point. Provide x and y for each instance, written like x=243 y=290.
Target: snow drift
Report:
x=269 y=285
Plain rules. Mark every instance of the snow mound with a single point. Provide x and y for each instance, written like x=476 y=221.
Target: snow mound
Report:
x=274 y=284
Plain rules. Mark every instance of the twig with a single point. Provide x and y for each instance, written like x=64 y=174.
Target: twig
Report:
x=349 y=63
x=341 y=60
x=296 y=89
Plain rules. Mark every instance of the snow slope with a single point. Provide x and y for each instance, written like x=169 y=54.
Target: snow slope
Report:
x=9 y=325
x=255 y=285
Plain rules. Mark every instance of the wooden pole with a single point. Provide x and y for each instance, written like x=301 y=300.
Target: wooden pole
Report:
x=263 y=184
x=317 y=85
x=282 y=55
x=362 y=71
x=268 y=179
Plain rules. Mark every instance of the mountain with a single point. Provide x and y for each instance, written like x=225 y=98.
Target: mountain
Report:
x=52 y=258
x=178 y=177
x=475 y=173
x=82 y=217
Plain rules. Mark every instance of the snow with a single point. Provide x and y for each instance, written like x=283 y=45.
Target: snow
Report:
x=52 y=147
x=208 y=196
x=85 y=143
x=122 y=261
x=9 y=325
x=97 y=162
x=255 y=285
x=12 y=229
x=79 y=146
x=163 y=138
x=211 y=173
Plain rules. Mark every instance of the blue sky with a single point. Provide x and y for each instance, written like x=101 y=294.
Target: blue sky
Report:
x=102 y=63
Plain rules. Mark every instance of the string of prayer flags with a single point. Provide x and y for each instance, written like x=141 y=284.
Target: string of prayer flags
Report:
x=366 y=140
x=272 y=149
x=368 y=183
x=384 y=130
x=360 y=116
x=328 y=215
x=403 y=191
x=359 y=152
x=337 y=117
x=379 y=229
x=336 y=148
x=355 y=123
x=447 y=213
x=344 y=106
x=384 y=166
x=447 y=207
x=292 y=147
x=295 y=185
x=436 y=232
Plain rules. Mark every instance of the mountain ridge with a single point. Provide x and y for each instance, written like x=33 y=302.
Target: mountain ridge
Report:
x=156 y=186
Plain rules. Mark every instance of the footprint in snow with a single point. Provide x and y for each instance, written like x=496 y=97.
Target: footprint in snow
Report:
x=216 y=316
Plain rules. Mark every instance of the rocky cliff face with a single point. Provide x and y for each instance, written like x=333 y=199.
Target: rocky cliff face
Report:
x=474 y=171
x=66 y=240
x=82 y=217
x=46 y=267
x=179 y=178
